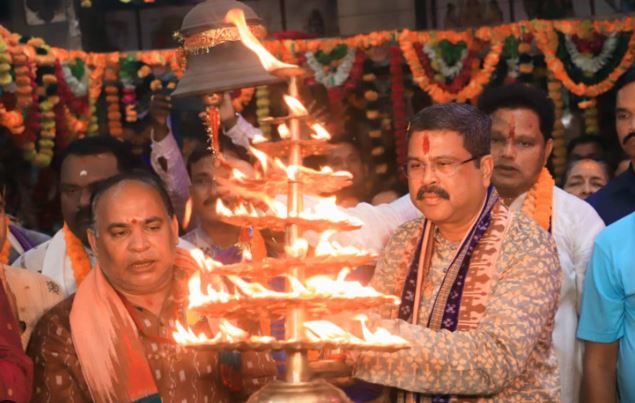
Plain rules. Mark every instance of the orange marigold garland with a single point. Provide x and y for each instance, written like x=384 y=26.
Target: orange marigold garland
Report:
x=474 y=86
x=6 y=247
x=538 y=204
x=111 y=76
x=97 y=65
x=76 y=252
x=12 y=120
x=547 y=41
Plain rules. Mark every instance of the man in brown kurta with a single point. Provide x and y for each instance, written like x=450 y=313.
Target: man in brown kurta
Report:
x=134 y=235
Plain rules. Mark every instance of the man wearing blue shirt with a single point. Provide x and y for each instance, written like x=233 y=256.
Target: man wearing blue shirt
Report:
x=617 y=199
x=607 y=317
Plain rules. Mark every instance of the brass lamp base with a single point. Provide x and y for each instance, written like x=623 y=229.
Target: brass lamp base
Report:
x=318 y=391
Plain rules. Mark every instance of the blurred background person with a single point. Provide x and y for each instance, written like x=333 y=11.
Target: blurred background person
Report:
x=584 y=177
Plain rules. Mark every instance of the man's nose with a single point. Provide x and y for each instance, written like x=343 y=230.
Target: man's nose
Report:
x=509 y=150
x=429 y=176
x=84 y=197
x=138 y=240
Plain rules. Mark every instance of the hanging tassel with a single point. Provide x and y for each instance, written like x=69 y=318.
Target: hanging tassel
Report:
x=213 y=128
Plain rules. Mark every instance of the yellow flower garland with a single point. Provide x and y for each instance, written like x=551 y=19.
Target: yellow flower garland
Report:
x=539 y=201
x=80 y=261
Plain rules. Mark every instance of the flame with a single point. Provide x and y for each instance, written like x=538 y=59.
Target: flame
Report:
x=239 y=175
x=323 y=330
x=292 y=172
x=203 y=261
x=261 y=157
x=247 y=256
x=237 y=17
x=187 y=215
x=326 y=286
x=259 y=138
x=283 y=131
x=326 y=208
x=198 y=298
x=320 y=132
x=227 y=332
x=326 y=247
x=295 y=106
x=299 y=248
x=187 y=336
x=380 y=336
x=244 y=209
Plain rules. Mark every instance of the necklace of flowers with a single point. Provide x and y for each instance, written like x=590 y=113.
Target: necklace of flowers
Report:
x=6 y=247
x=438 y=63
x=80 y=262
x=539 y=201
x=329 y=75
x=590 y=64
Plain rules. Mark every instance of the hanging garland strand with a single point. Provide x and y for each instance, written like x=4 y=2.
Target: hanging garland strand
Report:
x=398 y=104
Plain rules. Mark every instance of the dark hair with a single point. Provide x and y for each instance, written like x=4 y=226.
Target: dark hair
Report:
x=473 y=125
x=625 y=79
x=196 y=155
x=587 y=139
x=516 y=96
x=571 y=164
x=101 y=144
x=145 y=177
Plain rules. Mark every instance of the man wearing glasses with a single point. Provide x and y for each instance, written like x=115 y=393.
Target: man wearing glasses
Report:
x=479 y=283
x=522 y=122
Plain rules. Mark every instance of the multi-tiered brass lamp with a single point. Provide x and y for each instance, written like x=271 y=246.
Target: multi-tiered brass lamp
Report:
x=316 y=277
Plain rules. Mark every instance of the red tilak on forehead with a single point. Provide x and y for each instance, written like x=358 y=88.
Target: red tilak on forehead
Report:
x=512 y=128
x=426 y=144
x=133 y=221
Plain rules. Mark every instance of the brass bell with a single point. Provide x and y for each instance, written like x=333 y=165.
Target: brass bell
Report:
x=216 y=58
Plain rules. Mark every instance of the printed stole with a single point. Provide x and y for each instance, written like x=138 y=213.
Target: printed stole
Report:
x=462 y=297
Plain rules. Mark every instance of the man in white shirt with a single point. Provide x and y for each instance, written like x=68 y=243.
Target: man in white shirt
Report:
x=66 y=258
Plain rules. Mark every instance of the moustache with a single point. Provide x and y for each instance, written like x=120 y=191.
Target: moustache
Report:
x=432 y=189
x=628 y=137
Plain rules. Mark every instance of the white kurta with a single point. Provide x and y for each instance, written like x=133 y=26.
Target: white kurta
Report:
x=574 y=228
x=51 y=260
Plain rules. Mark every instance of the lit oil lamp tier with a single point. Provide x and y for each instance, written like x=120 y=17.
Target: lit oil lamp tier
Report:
x=316 y=278
x=327 y=257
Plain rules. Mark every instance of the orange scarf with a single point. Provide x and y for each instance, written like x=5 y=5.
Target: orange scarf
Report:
x=6 y=247
x=539 y=201
x=80 y=262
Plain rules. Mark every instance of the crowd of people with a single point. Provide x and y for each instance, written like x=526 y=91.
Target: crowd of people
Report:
x=512 y=288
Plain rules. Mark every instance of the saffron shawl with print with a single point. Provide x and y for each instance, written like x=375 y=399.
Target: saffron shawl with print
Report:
x=462 y=297
x=106 y=339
